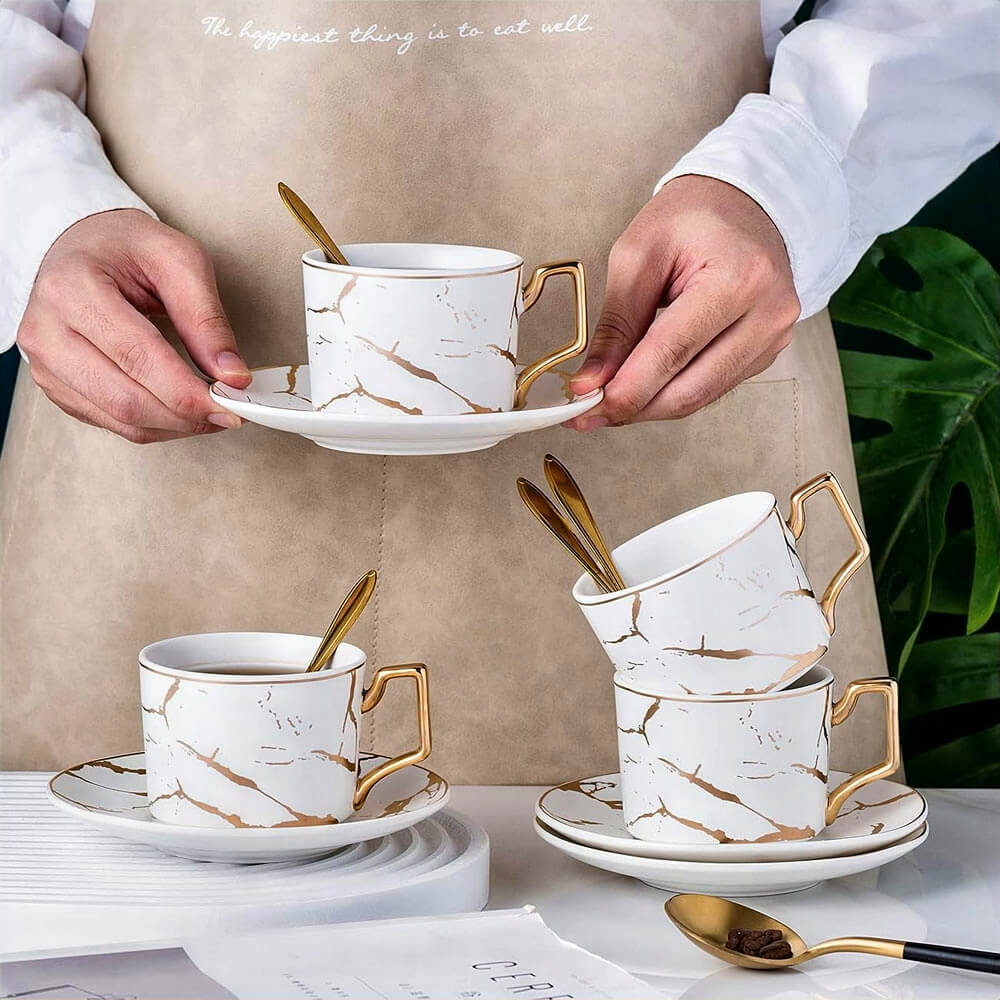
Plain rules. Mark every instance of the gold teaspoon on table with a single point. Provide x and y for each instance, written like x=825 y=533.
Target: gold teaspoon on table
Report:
x=545 y=510
x=707 y=921
x=570 y=495
x=347 y=614
x=308 y=221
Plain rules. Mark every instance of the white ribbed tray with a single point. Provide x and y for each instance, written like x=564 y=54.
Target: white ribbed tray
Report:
x=65 y=886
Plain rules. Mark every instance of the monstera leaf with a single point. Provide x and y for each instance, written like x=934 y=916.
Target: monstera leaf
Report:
x=932 y=409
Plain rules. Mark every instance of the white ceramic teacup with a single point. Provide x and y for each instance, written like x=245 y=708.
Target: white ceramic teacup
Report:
x=740 y=769
x=236 y=734
x=718 y=601
x=424 y=328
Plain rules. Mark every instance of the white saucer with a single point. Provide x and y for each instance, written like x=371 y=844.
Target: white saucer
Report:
x=760 y=878
x=110 y=794
x=279 y=398
x=589 y=811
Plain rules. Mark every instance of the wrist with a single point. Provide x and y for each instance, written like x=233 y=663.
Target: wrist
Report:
x=772 y=155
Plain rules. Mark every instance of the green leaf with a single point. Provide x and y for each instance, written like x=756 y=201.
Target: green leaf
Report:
x=946 y=673
x=953 y=577
x=971 y=761
x=936 y=293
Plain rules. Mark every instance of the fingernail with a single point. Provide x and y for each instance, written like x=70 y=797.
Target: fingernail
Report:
x=588 y=370
x=593 y=423
x=231 y=364
x=229 y=420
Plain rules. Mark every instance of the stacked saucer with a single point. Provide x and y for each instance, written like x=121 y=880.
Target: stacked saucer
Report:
x=879 y=823
x=725 y=713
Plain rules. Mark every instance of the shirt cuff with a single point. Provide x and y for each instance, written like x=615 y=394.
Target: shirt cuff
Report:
x=46 y=189
x=767 y=150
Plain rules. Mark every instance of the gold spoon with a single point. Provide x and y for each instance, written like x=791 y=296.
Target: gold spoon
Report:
x=707 y=920
x=347 y=614
x=543 y=508
x=570 y=495
x=305 y=218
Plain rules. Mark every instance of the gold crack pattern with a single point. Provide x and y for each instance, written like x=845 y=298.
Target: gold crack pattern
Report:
x=859 y=806
x=244 y=782
x=109 y=765
x=360 y=390
x=814 y=771
x=720 y=835
x=589 y=788
x=782 y=831
x=640 y=730
x=162 y=710
x=421 y=373
x=336 y=308
x=431 y=788
x=634 y=632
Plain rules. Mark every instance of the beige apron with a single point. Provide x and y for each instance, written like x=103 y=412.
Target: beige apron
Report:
x=545 y=142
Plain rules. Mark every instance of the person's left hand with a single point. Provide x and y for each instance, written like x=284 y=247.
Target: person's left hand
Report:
x=712 y=256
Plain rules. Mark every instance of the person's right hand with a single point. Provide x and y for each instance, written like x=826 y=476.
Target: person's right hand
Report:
x=94 y=353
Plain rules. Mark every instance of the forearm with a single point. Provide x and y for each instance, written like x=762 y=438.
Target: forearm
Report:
x=873 y=108
x=53 y=171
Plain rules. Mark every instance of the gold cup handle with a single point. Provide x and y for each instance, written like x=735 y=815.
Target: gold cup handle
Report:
x=797 y=522
x=371 y=698
x=532 y=290
x=886 y=687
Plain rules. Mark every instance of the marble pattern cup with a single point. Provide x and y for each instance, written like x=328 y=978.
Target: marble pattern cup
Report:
x=718 y=602
x=739 y=769
x=237 y=735
x=412 y=329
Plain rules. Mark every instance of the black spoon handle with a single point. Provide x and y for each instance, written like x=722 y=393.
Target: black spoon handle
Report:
x=955 y=958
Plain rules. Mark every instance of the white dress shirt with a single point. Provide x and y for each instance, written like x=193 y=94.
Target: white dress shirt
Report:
x=874 y=107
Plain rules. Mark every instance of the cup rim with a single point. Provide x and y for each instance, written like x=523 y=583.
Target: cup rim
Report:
x=357 y=659
x=824 y=679
x=591 y=600
x=316 y=259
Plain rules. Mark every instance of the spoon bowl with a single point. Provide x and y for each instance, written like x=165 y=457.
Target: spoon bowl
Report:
x=707 y=920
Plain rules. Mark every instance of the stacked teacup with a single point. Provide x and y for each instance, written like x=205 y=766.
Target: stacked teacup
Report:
x=724 y=708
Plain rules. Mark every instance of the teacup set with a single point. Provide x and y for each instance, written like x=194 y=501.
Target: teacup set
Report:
x=248 y=758
x=725 y=713
x=413 y=350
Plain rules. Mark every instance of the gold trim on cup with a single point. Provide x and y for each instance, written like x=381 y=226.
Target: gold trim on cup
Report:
x=825 y=680
x=357 y=270
x=638 y=588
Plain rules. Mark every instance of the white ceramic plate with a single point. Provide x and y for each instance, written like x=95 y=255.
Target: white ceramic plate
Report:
x=110 y=794
x=589 y=811
x=754 y=878
x=279 y=398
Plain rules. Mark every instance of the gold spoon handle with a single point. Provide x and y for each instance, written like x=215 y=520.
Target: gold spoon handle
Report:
x=348 y=613
x=569 y=494
x=543 y=508
x=308 y=221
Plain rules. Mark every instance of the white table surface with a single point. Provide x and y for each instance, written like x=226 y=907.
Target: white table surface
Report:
x=945 y=892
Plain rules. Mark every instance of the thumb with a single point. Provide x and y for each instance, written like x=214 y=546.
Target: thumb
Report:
x=185 y=283
x=630 y=303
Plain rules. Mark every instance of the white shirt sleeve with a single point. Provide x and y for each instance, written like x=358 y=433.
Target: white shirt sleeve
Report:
x=53 y=171
x=873 y=108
